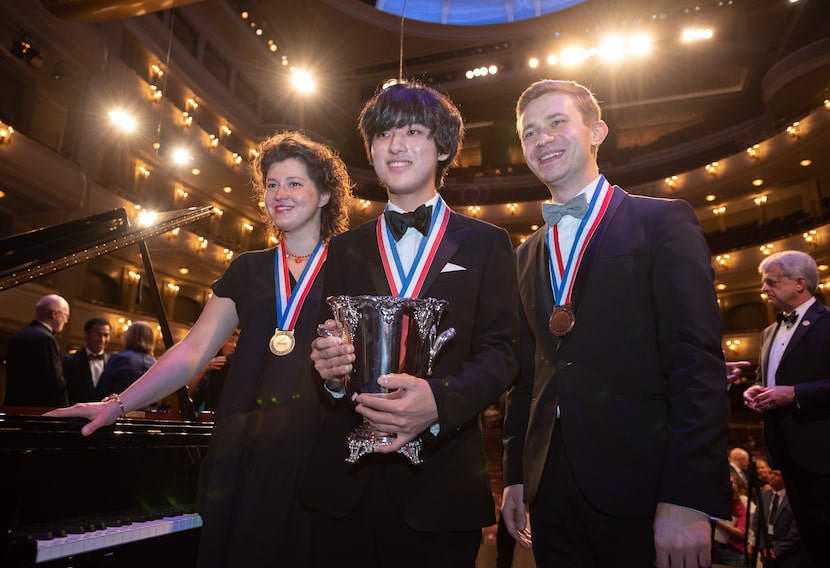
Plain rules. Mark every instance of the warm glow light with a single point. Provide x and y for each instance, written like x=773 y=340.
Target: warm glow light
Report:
x=573 y=56
x=639 y=45
x=147 y=218
x=181 y=156
x=122 y=120
x=722 y=260
x=697 y=34
x=302 y=81
x=553 y=59
x=227 y=189
x=794 y=129
x=712 y=169
x=184 y=270
x=533 y=63
x=754 y=151
x=671 y=181
x=512 y=207
x=612 y=49
x=805 y=163
x=767 y=249
x=474 y=210
x=711 y=197
x=719 y=210
x=758 y=182
x=760 y=200
x=720 y=286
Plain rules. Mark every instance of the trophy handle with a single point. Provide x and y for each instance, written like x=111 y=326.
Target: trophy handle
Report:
x=437 y=344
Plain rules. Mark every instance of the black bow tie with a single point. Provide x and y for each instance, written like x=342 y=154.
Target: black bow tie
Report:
x=399 y=222
x=787 y=319
x=576 y=207
x=94 y=357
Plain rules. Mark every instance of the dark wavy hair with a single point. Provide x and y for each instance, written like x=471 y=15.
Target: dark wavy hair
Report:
x=411 y=102
x=325 y=168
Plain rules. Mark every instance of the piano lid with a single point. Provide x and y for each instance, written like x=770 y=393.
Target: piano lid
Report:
x=28 y=256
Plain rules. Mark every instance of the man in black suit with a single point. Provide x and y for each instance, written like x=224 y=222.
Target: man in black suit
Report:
x=778 y=541
x=33 y=361
x=793 y=392
x=384 y=511
x=622 y=369
x=82 y=369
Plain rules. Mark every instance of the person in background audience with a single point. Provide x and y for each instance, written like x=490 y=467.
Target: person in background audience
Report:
x=779 y=541
x=729 y=535
x=34 y=376
x=739 y=462
x=793 y=393
x=271 y=409
x=83 y=369
x=206 y=387
x=123 y=368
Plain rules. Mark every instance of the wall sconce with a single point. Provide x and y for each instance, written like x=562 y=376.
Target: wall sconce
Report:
x=733 y=345
x=474 y=210
x=253 y=153
x=22 y=48
x=512 y=208
x=247 y=227
x=123 y=325
x=155 y=72
x=364 y=204
x=723 y=260
x=767 y=249
x=754 y=151
x=155 y=94
x=187 y=119
x=794 y=129
x=236 y=159
x=181 y=194
x=191 y=104
x=712 y=169
x=720 y=210
x=227 y=255
x=218 y=212
x=174 y=233
x=811 y=237
x=143 y=171
x=213 y=141
x=760 y=200
x=134 y=276
x=172 y=288
x=224 y=131
x=202 y=244
x=6 y=133
x=671 y=181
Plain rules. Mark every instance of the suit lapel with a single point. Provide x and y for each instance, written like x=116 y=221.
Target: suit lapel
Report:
x=766 y=344
x=813 y=313
x=596 y=240
x=455 y=234
x=376 y=273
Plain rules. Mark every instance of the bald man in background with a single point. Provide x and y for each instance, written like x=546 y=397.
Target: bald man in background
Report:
x=34 y=376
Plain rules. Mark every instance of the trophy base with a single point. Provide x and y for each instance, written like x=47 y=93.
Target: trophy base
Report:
x=364 y=438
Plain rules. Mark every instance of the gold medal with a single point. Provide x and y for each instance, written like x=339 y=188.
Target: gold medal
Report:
x=282 y=342
x=561 y=320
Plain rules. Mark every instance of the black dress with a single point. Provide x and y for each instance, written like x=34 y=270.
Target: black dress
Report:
x=268 y=415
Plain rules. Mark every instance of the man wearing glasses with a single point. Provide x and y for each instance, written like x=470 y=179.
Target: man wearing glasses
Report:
x=34 y=376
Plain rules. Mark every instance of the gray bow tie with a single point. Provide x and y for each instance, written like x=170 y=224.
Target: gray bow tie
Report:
x=576 y=207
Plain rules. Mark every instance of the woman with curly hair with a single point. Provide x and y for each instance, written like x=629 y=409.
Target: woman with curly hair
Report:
x=269 y=411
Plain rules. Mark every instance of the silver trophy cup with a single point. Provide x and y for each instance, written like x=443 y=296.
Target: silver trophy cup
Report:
x=390 y=335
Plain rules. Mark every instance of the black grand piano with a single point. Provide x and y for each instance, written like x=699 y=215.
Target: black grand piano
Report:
x=124 y=496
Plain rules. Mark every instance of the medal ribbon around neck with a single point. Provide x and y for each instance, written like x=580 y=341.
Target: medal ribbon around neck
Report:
x=288 y=303
x=409 y=285
x=565 y=273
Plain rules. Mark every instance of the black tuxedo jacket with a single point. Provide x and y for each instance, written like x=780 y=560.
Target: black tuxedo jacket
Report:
x=799 y=434
x=78 y=377
x=639 y=380
x=33 y=369
x=450 y=490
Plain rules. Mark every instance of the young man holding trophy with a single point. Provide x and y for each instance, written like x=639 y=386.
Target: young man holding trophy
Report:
x=421 y=494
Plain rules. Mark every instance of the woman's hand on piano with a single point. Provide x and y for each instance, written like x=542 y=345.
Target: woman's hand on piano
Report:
x=98 y=413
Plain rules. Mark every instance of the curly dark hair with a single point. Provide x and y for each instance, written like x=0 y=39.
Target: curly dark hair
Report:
x=325 y=168
x=411 y=102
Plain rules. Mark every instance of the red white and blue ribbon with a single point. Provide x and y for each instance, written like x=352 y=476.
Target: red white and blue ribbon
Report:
x=405 y=284
x=288 y=302
x=563 y=271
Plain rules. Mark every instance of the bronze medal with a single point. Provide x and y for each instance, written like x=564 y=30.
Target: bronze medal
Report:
x=282 y=342
x=561 y=320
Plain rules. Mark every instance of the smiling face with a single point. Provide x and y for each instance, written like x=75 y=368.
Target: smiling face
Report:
x=292 y=199
x=559 y=147
x=405 y=159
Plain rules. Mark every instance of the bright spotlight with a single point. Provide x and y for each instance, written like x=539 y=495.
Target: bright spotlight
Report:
x=533 y=63
x=302 y=81
x=553 y=59
x=612 y=49
x=181 y=156
x=572 y=56
x=639 y=45
x=122 y=120
x=493 y=69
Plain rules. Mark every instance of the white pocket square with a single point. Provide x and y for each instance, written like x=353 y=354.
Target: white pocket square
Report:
x=450 y=267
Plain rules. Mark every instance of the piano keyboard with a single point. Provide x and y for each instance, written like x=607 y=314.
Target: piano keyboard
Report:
x=74 y=544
